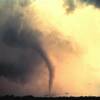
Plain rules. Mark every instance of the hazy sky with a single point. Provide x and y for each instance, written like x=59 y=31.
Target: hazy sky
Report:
x=50 y=44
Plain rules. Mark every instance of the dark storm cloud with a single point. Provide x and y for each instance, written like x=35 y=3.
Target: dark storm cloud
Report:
x=96 y=3
x=20 y=47
x=14 y=62
x=70 y=5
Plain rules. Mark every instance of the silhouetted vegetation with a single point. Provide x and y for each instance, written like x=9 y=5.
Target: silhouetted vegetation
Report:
x=12 y=97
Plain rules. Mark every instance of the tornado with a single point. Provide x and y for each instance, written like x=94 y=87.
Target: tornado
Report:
x=50 y=68
x=36 y=44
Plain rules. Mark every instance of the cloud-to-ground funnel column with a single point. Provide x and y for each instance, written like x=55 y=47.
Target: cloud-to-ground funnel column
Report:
x=33 y=41
x=50 y=68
